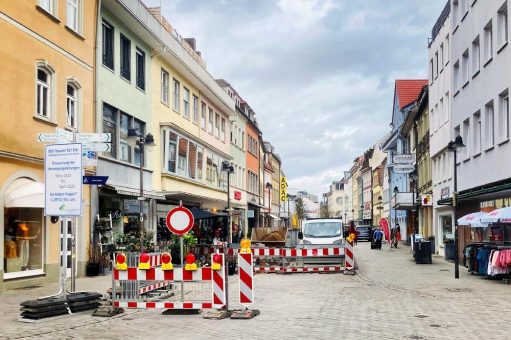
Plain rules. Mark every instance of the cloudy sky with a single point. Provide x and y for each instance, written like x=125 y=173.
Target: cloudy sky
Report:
x=318 y=73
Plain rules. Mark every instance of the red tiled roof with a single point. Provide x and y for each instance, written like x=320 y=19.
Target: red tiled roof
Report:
x=408 y=90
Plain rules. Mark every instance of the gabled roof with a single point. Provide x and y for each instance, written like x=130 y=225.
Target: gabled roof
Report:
x=408 y=90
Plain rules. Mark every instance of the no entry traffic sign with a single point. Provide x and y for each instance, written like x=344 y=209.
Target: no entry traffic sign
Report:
x=179 y=220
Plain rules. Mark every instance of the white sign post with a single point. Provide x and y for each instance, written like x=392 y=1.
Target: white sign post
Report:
x=63 y=180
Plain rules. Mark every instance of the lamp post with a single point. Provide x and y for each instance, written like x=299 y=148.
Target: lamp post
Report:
x=345 y=218
x=269 y=187
x=226 y=166
x=396 y=191
x=454 y=146
x=414 y=178
x=141 y=141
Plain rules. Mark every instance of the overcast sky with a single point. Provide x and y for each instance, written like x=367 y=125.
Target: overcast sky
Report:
x=318 y=73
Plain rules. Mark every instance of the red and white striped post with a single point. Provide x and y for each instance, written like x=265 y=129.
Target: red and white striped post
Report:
x=246 y=273
x=349 y=261
x=219 y=296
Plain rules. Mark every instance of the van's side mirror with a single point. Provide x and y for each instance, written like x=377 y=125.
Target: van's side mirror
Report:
x=346 y=233
x=300 y=235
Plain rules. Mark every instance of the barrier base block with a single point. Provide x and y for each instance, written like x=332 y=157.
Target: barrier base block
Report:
x=107 y=311
x=349 y=272
x=245 y=314
x=217 y=314
x=181 y=311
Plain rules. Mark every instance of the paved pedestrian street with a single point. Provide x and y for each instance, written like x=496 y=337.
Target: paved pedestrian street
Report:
x=391 y=297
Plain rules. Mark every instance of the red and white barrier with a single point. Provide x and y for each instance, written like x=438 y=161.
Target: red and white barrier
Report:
x=260 y=252
x=157 y=274
x=349 y=258
x=150 y=288
x=219 y=285
x=163 y=305
x=338 y=251
x=246 y=273
x=278 y=269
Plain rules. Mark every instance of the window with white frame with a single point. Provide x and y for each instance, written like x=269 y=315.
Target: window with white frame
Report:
x=108 y=45
x=446 y=111
x=432 y=68
x=464 y=7
x=476 y=134
x=502 y=25
x=442 y=56
x=72 y=105
x=186 y=103
x=211 y=118
x=476 y=56
x=489 y=125
x=195 y=109
x=73 y=15
x=175 y=93
x=222 y=130
x=217 y=125
x=432 y=115
x=466 y=139
x=125 y=58
x=164 y=87
x=242 y=140
x=455 y=13
x=49 y=6
x=140 y=64
x=504 y=115
x=488 y=41
x=203 y=113
x=464 y=67
x=447 y=49
x=456 y=77
x=124 y=145
x=44 y=91
x=437 y=67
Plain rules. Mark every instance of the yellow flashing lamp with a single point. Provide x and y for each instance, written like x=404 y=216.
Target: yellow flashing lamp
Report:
x=190 y=262
x=143 y=264
x=245 y=246
x=166 y=262
x=217 y=262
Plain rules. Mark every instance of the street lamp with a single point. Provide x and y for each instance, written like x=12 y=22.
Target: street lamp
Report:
x=226 y=166
x=269 y=187
x=454 y=146
x=141 y=141
x=396 y=191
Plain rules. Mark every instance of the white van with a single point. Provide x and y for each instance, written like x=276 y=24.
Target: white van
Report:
x=324 y=231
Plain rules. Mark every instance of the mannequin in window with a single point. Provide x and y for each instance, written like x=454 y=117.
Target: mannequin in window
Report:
x=23 y=238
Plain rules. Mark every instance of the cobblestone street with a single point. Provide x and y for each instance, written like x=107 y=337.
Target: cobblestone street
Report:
x=390 y=298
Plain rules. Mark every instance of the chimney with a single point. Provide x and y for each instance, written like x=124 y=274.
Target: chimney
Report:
x=192 y=43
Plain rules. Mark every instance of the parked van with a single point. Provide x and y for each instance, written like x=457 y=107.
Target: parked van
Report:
x=324 y=231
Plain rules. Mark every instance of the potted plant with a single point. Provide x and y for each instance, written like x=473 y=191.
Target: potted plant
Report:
x=93 y=261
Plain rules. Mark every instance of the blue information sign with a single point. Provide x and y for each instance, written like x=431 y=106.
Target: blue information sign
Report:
x=95 y=180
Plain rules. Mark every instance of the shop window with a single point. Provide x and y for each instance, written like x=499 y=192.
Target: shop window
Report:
x=23 y=241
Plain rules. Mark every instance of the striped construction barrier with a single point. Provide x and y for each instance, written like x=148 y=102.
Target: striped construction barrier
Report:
x=219 y=285
x=349 y=258
x=281 y=269
x=156 y=277
x=299 y=252
x=246 y=279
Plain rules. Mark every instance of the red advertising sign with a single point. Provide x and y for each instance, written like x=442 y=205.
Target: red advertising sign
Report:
x=237 y=195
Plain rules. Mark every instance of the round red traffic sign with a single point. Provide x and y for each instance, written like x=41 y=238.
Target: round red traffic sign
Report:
x=179 y=220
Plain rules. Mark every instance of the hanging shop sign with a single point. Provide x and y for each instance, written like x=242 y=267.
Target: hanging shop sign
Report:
x=237 y=195
x=283 y=189
x=404 y=159
x=403 y=168
x=427 y=200
x=63 y=179
x=445 y=192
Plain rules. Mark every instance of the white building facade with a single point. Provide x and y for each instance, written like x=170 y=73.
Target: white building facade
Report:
x=440 y=132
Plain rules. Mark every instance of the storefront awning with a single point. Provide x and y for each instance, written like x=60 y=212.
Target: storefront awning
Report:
x=24 y=193
x=136 y=193
x=274 y=217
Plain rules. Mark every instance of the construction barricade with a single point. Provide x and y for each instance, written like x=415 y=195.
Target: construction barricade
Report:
x=337 y=258
x=178 y=288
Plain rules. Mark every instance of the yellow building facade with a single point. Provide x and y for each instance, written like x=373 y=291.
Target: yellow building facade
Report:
x=47 y=55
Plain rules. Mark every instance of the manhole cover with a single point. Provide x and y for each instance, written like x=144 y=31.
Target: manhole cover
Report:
x=435 y=325
x=459 y=290
x=420 y=316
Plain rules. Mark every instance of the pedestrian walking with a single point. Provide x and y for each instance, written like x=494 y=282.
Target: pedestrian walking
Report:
x=378 y=236
x=353 y=231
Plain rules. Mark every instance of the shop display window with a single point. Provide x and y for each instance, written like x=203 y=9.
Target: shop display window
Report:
x=23 y=241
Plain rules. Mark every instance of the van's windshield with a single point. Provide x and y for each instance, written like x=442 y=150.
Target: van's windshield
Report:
x=322 y=229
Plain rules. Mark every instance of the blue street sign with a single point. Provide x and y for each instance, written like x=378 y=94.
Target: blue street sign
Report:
x=95 y=180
